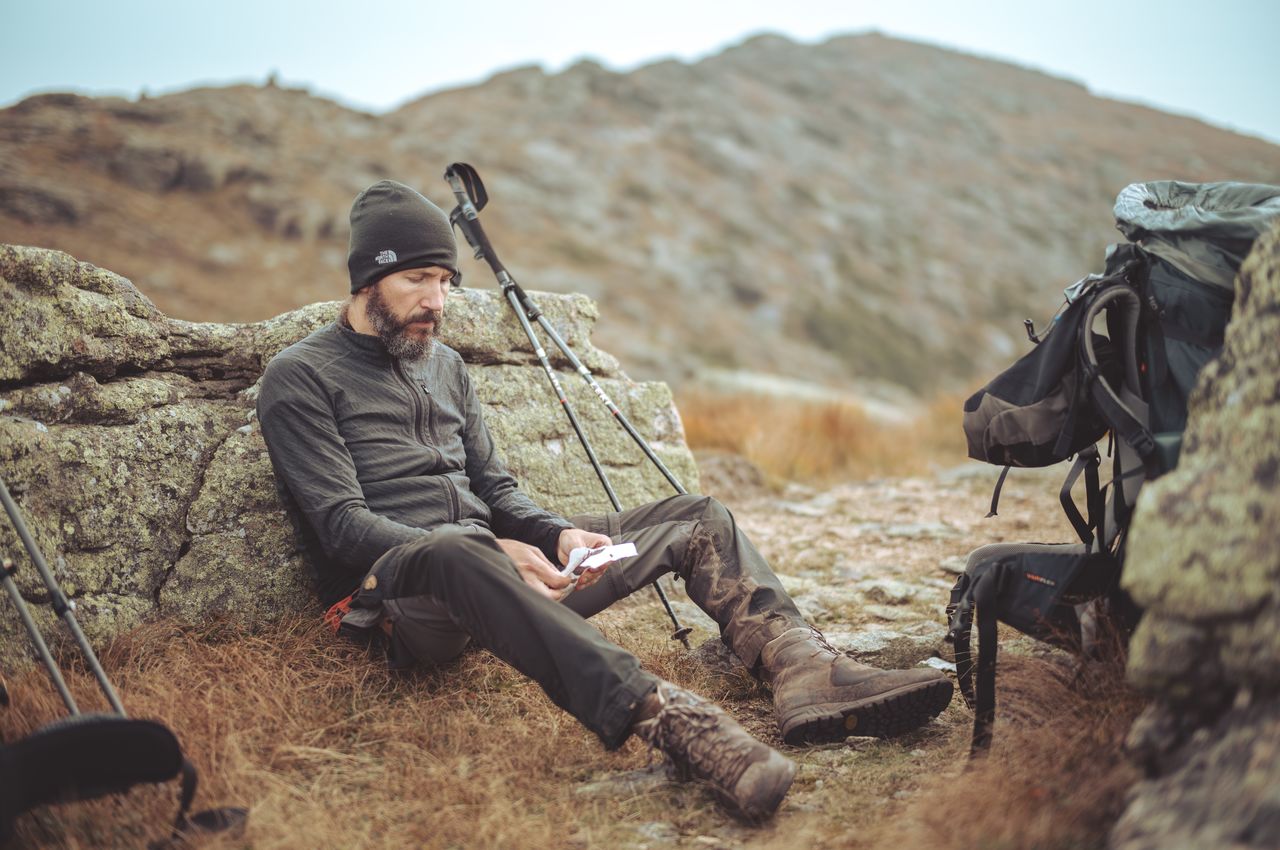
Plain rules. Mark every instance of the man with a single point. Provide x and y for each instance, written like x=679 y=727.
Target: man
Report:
x=374 y=429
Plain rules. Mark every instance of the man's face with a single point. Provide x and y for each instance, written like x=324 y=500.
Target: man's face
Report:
x=406 y=309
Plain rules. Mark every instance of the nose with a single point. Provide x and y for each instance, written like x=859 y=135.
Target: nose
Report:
x=433 y=299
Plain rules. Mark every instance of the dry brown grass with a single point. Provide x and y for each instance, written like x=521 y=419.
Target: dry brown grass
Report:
x=329 y=749
x=819 y=442
x=1055 y=778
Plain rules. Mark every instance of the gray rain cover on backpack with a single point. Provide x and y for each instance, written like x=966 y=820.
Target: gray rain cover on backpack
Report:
x=1194 y=237
x=1202 y=229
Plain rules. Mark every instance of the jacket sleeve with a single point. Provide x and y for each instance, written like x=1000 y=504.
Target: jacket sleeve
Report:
x=514 y=514
x=310 y=457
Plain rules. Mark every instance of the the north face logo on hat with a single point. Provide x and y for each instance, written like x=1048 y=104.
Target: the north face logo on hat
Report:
x=384 y=257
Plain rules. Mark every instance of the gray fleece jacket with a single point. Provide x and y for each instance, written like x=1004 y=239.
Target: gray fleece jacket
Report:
x=376 y=452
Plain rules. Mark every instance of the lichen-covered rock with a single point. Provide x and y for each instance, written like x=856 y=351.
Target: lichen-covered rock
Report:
x=129 y=441
x=1220 y=790
x=1204 y=560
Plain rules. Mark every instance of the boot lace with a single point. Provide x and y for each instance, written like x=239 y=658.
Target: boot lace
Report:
x=699 y=739
x=823 y=644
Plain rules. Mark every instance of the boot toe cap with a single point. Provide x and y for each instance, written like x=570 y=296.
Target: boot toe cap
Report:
x=763 y=786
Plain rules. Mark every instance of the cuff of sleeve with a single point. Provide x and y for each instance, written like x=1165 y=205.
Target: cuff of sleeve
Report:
x=549 y=540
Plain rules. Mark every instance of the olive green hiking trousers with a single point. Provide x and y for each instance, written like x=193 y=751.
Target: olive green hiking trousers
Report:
x=456 y=586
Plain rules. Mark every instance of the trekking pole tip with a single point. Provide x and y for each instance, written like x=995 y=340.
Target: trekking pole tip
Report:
x=682 y=634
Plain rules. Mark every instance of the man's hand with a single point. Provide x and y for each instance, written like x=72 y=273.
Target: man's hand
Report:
x=573 y=538
x=535 y=569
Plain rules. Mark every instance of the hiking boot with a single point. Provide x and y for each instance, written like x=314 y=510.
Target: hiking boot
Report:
x=704 y=743
x=821 y=695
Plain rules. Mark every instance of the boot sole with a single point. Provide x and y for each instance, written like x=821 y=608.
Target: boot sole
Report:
x=886 y=715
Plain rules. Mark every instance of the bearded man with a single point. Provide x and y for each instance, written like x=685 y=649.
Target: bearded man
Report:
x=420 y=533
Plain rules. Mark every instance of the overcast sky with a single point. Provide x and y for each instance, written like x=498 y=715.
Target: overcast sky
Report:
x=1217 y=61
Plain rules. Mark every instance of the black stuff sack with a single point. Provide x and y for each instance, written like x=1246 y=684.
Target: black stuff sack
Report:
x=1039 y=589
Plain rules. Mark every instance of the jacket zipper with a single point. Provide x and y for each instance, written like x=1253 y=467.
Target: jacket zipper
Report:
x=422 y=411
x=418 y=413
x=454 y=501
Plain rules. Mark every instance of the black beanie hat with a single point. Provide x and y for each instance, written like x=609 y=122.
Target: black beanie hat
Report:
x=394 y=228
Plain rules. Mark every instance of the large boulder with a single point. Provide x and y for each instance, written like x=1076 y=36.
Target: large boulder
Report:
x=129 y=440
x=1204 y=560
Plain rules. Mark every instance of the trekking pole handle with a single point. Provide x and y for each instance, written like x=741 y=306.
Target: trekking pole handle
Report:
x=460 y=192
x=471 y=227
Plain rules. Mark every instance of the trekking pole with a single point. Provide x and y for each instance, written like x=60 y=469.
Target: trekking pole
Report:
x=42 y=648
x=62 y=606
x=460 y=173
x=466 y=218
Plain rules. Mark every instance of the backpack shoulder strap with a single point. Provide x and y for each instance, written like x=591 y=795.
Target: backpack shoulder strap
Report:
x=1126 y=424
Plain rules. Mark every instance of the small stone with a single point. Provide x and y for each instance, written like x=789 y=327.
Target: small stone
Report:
x=888 y=612
x=625 y=783
x=796 y=586
x=837 y=595
x=866 y=642
x=805 y=510
x=930 y=630
x=939 y=664
x=921 y=530
x=658 y=831
x=888 y=591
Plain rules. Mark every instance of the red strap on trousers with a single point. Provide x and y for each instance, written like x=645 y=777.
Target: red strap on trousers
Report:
x=338 y=610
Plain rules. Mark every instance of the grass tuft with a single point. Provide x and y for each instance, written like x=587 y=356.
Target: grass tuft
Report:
x=820 y=442
x=1056 y=777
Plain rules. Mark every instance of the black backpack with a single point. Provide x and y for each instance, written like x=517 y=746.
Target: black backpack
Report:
x=1163 y=301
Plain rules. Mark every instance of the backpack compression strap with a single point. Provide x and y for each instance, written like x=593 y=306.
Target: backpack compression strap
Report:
x=980 y=592
x=1087 y=461
x=985 y=591
x=960 y=617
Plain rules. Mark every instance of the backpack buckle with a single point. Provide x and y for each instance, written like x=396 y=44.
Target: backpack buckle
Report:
x=1143 y=443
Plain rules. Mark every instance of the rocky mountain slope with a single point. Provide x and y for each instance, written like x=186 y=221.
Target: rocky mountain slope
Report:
x=860 y=208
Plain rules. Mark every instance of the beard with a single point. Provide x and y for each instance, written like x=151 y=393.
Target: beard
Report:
x=394 y=332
